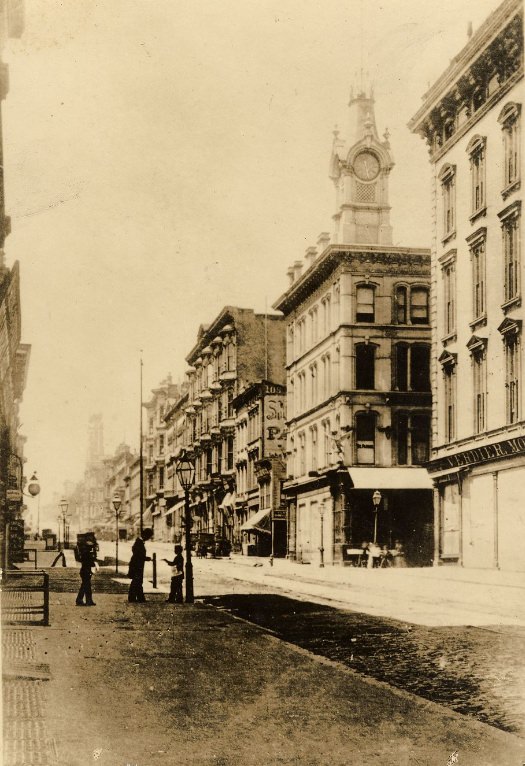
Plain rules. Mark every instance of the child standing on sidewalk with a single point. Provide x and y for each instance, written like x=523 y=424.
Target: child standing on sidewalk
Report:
x=177 y=576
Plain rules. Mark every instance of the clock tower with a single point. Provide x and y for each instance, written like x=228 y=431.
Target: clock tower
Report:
x=359 y=167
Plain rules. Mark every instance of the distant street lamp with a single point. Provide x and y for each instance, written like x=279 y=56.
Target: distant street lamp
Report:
x=117 y=502
x=64 y=505
x=376 y=499
x=34 y=489
x=321 y=548
x=186 y=475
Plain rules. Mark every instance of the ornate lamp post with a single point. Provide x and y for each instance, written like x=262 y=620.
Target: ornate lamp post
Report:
x=321 y=547
x=117 y=502
x=376 y=499
x=64 y=505
x=34 y=489
x=186 y=475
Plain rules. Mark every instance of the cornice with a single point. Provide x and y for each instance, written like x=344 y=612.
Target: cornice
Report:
x=380 y=259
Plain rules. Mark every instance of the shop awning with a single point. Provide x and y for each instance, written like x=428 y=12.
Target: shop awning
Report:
x=259 y=522
x=390 y=478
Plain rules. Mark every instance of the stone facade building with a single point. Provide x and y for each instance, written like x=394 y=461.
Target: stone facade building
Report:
x=236 y=350
x=471 y=119
x=259 y=516
x=154 y=451
x=358 y=356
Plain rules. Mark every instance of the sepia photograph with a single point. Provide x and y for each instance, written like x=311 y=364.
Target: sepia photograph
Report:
x=262 y=388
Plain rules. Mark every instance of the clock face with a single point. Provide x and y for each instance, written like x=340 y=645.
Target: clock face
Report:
x=366 y=166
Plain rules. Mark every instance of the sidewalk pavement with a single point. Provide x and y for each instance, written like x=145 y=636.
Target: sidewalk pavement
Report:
x=153 y=683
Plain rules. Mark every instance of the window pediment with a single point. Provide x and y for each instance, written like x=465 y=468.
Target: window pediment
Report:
x=510 y=326
x=477 y=344
x=448 y=359
x=509 y=113
x=476 y=144
x=480 y=235
x=449 y=257
x=446 y=173
x=511 y=211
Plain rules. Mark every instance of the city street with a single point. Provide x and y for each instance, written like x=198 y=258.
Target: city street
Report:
x=159 y=683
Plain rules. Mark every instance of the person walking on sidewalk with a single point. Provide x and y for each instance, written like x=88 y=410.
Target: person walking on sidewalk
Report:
x=177 y=576
x=87 y=555
x=136 y=566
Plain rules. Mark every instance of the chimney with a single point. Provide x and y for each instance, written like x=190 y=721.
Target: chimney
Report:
x=323 y=241
x=297 y=269
x=310 y=256
x=290 y=274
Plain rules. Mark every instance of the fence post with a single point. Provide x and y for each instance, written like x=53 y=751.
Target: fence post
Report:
x=46 y=598
x=154 y=560
x=36 y=557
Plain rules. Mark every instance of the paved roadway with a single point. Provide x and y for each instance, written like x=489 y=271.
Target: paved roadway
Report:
x=477 y=670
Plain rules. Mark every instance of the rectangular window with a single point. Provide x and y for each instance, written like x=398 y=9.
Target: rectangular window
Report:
x=478 y=279
x=402 y=438
x=161 y=477
x=449 y=373
x=420 y=439
x=229 y=453
x=420 y=368
x=511 y=147
x=327 y=442
x=449 y=298
x=364 y=366
x=449 y=205
x=365 y=304
x=511 y=254
x=477 y=171
x=480 y=391
x=401 y=367
x=302 y=454
x=314 y=448
x=512 y=364
x=161 y=444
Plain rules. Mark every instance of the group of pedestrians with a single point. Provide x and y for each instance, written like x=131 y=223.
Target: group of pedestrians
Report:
x=87 y=555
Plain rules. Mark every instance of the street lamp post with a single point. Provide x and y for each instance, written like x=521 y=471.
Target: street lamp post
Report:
x=186 y=475
x=117 y=502
x=321 y=548
x=63 y=507
x=34 y=489
x=376 y=499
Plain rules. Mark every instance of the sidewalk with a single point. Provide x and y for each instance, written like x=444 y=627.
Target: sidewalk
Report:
x=160 y=684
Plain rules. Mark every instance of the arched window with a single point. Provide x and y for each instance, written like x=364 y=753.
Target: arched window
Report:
x=401 y=305
x=419 y=305
x=365 y=304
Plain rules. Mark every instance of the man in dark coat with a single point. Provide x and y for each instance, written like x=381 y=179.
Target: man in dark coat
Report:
x=136 y=566
x=87 y=555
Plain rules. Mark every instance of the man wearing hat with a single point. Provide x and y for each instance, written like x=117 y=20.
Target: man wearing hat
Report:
x=87 y=554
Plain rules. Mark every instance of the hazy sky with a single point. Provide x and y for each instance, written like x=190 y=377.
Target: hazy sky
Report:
x=165 y=158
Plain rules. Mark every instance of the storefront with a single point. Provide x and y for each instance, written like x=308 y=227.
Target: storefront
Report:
x=479 y=510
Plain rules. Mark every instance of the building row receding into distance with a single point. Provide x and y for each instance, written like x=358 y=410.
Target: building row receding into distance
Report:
x=388 y=372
